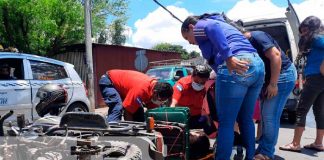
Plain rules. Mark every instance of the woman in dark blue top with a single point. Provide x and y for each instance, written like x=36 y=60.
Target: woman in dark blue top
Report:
x=240 y=76
x=280 y=80
x=311 y=46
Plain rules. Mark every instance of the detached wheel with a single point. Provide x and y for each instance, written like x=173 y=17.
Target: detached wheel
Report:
x=77 y=107
x=292 y=117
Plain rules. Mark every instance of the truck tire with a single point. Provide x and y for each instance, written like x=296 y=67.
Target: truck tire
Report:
x=77 y=107
x=123 y=151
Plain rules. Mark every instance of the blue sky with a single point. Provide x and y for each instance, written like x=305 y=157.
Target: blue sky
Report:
x=139 y=9
x=149 y=24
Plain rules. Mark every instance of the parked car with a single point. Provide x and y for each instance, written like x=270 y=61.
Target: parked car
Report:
x=285 y=31
x=170 y=74
x=30 y=72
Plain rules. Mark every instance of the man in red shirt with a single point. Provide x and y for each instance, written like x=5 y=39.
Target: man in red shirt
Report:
x=131 y=91
x=189 y=92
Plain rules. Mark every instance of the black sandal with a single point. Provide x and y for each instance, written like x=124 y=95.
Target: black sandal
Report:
x=315 y=147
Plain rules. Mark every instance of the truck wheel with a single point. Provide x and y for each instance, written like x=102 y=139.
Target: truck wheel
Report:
x=123 y=151
x=292 y=117
x=77 y=107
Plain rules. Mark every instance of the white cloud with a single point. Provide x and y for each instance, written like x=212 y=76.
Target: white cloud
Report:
x=310 y=7
x=128 y=32
x=159 y=26
x=258 y=9
x=129 y=45
x=178 y=3
x=261 y=9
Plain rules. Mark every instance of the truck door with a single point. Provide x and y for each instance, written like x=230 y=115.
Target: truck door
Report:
x=293 y=21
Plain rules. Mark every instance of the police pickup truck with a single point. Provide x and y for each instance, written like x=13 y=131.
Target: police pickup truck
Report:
x=170 y=71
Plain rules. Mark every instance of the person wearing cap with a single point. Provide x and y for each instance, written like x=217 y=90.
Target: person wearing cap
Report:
x=240 y=76
x=5 y=72
x=189 y=92
x=131 y=91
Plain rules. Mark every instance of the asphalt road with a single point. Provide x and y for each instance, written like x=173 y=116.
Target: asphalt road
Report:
x=285 y=136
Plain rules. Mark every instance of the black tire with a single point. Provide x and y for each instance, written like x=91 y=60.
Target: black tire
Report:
x=124 y=151
x=292 y=117
x=77 y=107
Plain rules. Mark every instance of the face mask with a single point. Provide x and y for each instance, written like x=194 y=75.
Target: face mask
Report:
x=197 y=86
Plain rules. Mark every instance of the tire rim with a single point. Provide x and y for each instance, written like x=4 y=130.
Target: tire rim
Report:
x=78 y=109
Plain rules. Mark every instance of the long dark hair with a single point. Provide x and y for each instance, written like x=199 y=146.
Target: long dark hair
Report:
x=194 y=19
x=199 y=145
x=315 y=28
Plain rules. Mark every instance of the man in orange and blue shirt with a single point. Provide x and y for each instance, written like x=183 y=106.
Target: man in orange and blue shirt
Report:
x=131 y=91
x=189 y=92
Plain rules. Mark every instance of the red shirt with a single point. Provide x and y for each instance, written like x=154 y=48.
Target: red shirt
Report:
x=187 y=96
x=133 y=85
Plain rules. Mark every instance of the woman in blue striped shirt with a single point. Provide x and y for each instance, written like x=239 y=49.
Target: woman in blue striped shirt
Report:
x=240 y=76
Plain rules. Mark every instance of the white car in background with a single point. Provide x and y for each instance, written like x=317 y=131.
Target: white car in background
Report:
x=31 y=72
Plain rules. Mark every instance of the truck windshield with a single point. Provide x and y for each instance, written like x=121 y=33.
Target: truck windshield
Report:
x=161 y=73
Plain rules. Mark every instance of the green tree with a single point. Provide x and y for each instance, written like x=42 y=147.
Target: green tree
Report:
x=103 y=37
x=117 y=30
x=194 y=54
x=45 y=26
x=116 y=17
x=167 y=47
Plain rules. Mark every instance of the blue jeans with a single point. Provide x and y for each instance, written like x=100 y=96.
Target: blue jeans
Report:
x=202 y=122
x=235 y=101
x=114 y=101
x=111 y=98
x=271 y=110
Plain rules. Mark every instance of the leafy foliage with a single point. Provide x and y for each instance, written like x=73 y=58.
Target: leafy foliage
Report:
x=175 y=48
x=45 y=26
x=117 y=29
x=115 y=15
x=194 y=54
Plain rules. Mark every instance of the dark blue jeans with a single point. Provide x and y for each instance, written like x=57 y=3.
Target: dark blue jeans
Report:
x=271 y=110
x=114 y=101
x=111 y=98
x=202 y=122
x=235 y=101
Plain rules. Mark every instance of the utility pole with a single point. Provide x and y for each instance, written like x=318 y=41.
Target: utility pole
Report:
x=89 y=61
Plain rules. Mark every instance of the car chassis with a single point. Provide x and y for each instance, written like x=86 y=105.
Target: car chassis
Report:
x=89 y=136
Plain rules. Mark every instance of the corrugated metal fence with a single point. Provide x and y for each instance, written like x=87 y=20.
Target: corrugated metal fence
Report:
x=106 y=57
